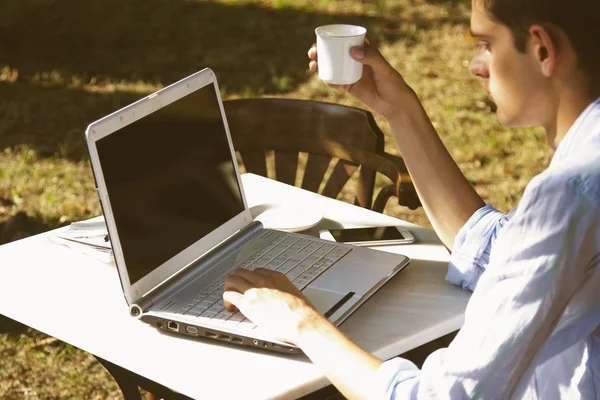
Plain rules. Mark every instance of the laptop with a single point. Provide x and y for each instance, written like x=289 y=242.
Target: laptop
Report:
x=172 y=196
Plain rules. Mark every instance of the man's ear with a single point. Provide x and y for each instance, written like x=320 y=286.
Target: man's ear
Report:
x=545 y=48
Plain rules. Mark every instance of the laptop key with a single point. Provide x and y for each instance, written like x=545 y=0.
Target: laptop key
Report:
x=293 y=274
x=304 y=242
x=292 y=255
x=246 y=324
x=299 y=285
x=287 y=266
x=210 y=313
x=289 y=241
x=264 y=260
x=321 y=251
x=334 y=255
x=238 y=316
x=313 y=247
x=221 y=317
x=195 y=312
x=309 y=261
x=230 y=323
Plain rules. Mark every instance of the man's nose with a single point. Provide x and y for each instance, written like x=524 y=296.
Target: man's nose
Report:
x=479 y=66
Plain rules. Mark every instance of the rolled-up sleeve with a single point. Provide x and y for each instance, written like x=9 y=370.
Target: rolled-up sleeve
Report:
x=391 y=374
x=472 y=246
x=400 y=378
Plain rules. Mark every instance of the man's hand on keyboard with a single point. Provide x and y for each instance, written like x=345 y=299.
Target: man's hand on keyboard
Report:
x=270 y=300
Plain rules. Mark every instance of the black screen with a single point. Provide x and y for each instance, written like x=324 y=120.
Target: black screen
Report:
x=170 y=180
x=366 y=234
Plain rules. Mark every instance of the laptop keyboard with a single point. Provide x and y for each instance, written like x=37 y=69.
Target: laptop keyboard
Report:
x=301 y=259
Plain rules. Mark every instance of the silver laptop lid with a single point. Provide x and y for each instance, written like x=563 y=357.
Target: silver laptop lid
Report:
x=168 y=181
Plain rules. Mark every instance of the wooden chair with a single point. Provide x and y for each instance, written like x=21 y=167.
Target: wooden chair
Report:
x=325 y=131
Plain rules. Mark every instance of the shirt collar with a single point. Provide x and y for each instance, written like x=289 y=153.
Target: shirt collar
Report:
x=586 y=129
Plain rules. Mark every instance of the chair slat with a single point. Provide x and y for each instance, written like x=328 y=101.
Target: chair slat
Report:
x=316 y=166
x=342 y=171
x=255 y=162
x=365 y=187
x=383 y=196
x=286 y=164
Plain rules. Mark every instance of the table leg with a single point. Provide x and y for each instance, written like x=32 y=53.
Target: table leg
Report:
x=129 y=382
x=125 y=379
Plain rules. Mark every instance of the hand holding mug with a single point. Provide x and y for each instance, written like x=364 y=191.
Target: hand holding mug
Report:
x=380 y=86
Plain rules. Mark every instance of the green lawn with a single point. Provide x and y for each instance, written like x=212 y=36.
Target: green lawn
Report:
x=64 y=64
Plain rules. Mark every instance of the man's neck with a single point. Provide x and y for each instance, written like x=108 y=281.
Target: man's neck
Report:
x=568 y=108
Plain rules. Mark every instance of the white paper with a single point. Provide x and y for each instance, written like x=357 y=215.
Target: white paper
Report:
x=87 y=237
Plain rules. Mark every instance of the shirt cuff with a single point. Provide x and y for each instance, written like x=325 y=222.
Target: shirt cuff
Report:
x=397 y=378
x=472 y=246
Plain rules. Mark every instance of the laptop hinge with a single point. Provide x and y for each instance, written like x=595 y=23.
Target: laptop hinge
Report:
x=188 y=274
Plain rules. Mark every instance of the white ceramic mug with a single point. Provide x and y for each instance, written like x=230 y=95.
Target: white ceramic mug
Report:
x=334 y=42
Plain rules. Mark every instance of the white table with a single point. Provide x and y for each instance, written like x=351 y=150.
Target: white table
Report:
x=79 y=301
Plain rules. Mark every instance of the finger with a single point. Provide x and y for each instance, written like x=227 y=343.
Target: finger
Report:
x=368 y=55
x=264 y=272
x=232 y=308
x=237 y=281
x=248 y=275
x=312 y=52
x=234 y=283
x=233 y=298
x=312 y=66
x=262 y=278
x=228 y=305
x=343 y=87
x=272 y=277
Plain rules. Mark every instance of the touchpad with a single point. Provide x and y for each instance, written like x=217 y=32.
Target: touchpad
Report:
x=325 y=301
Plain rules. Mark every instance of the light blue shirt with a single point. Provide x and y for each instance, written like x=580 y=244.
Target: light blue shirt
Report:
x=532 y=326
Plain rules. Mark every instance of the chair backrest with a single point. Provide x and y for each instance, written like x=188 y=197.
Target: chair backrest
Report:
x=325 y=131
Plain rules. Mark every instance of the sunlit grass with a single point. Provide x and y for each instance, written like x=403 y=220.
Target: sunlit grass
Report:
x=42 y=368
x=49 y=189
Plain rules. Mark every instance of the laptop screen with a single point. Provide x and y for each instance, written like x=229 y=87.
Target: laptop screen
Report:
x=170 y=179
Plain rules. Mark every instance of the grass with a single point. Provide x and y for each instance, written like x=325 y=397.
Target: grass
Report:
x=65 y=64
x=41 y=368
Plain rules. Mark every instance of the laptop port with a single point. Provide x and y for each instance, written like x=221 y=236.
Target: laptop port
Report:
x=236 y=340
x=173 y=326
x=210 y=334
x=280 y=347
x=223 y=337
x=191 y=329
x=255 y=342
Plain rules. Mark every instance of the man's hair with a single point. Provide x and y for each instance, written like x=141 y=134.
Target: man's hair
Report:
x=578 y=19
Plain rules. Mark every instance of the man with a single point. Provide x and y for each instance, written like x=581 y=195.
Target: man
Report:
x=532 y=325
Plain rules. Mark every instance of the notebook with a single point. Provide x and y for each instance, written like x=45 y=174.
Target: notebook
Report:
x=172 y=197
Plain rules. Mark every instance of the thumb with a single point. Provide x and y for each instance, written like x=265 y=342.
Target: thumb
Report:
x=234 y=298
x=368 y=55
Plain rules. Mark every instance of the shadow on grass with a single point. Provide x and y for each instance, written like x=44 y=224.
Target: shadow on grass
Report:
x=250 y=47
x=54 y=45
x=52 y=121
